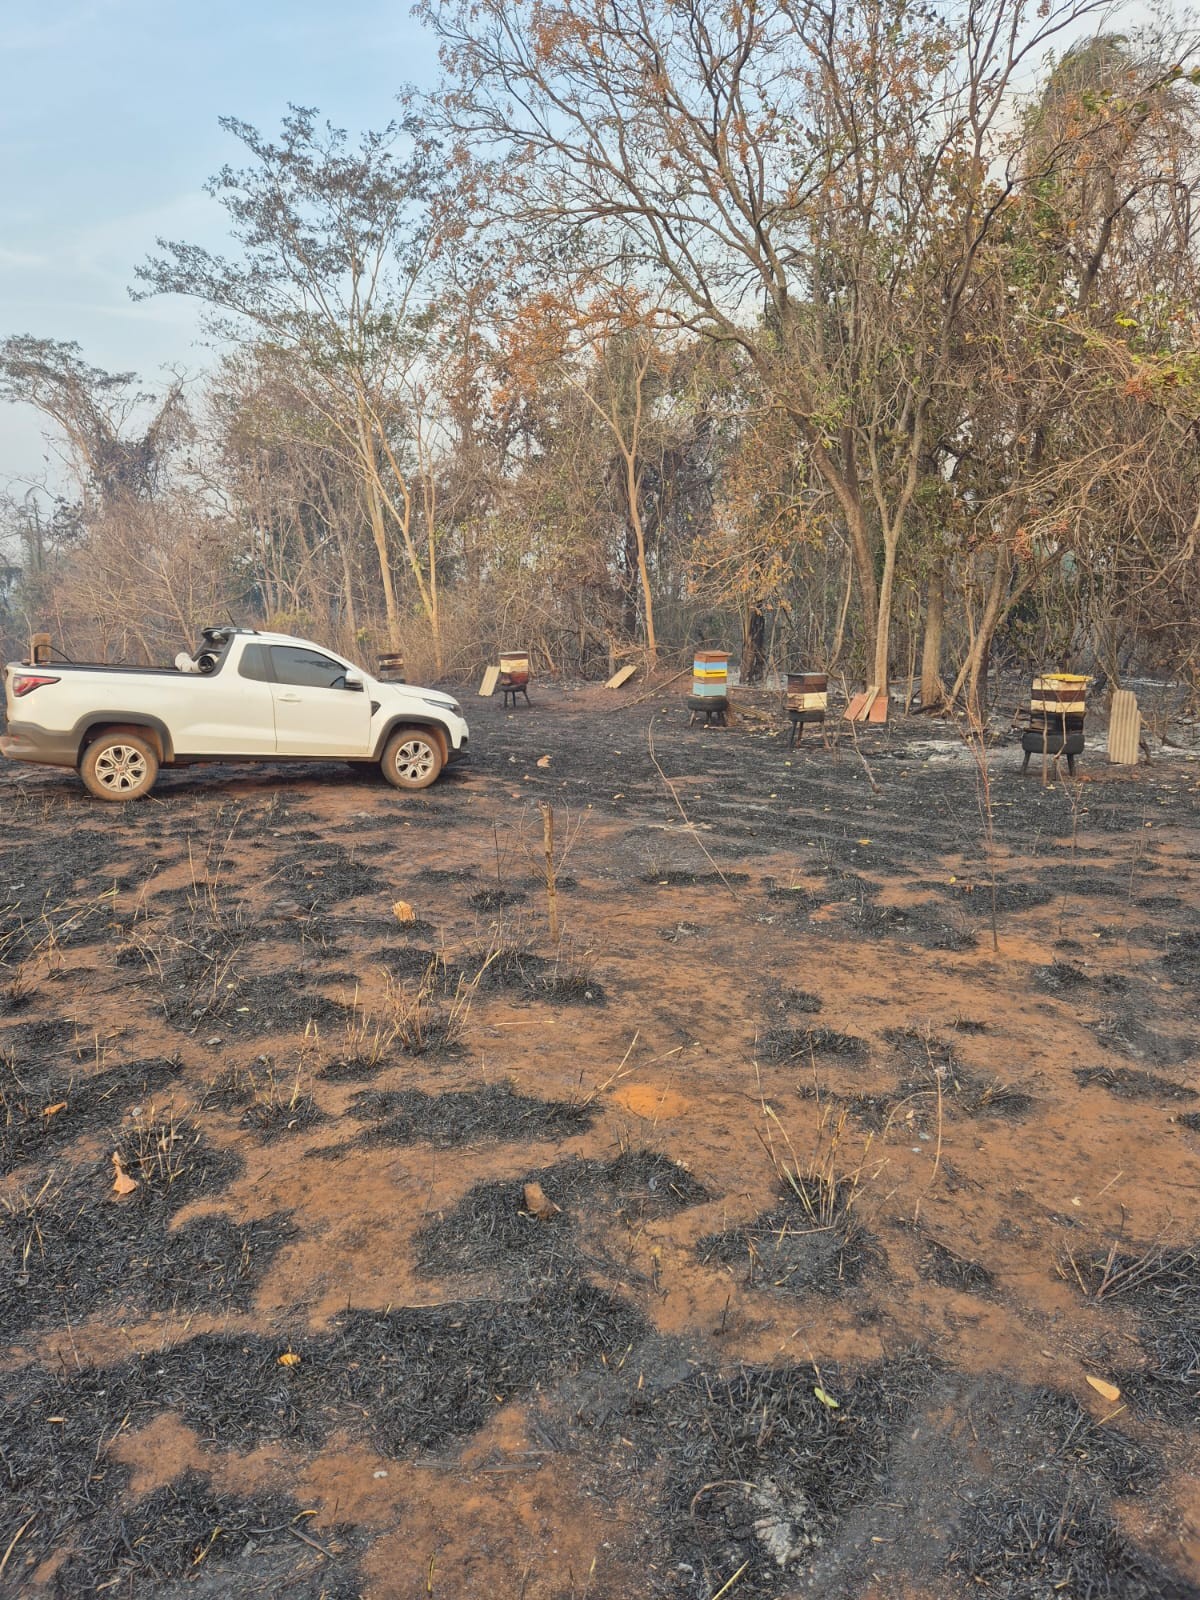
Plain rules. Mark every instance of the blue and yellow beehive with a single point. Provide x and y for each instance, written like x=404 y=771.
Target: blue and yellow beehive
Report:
x=710 y=674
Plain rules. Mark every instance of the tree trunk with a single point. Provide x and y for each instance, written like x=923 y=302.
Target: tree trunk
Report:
x=933 y=690
x=378 y=522
x=633 y=490
x=883 y=626
x=976 y=664
x=868 y=589
x=754 y=637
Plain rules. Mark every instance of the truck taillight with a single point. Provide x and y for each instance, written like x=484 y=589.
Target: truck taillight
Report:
x=24 y=683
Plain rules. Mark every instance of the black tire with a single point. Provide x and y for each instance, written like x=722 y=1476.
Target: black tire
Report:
x=119 y=766
x=412 y=759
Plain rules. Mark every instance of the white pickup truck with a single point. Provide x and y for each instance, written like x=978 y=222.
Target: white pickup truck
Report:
x=241 y=696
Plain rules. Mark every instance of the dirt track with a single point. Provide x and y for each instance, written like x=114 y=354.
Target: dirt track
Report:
x=851 y=1204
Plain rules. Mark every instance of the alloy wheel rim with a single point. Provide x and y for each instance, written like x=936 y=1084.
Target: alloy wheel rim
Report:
x=414 y=760
x=121 y=767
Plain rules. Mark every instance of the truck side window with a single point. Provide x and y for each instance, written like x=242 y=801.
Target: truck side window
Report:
x=306 y=668
x=254 y=663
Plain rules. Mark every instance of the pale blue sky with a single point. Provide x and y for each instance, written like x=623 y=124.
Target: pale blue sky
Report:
x=108 y=129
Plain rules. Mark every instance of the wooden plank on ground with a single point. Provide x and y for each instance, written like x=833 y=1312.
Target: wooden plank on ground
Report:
x=861 y=706
x=490 y=679
x=1124 y=729
x=879 y=709
x=622 y=675
x=856 y=710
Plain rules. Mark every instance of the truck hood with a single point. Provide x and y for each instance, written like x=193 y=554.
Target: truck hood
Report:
x=410 y=693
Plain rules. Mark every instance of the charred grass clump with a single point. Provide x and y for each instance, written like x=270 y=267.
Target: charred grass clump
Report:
x=812 y=1242
x=1033 y=1544
x=930 y=1067
x=1182 y=958
x=1161 y=1285
x=1041 y=1525
x=754 y=1472
x=251 y=1006
x=496 y=899
x=1011 y=894
x=674 y=878
x=323 y=876
x=782 y=1000
x=566 y=979
x=490 y=1230
x=1060 y=977
x=949 y=1270
x=189 y=1530
x=41 y=1111
x=919 y=924
x=74 y=1247
x=497 y=1113
x=265 y=1100
x=783 y=1044
x=422 y=1019
x=1131 y=1083
x=1125 y=1032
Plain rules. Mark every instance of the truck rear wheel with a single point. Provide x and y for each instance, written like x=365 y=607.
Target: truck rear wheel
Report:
x=412 y=758
x=119 y=766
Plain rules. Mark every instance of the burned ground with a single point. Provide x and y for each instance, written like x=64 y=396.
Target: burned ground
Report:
x=803 y=1182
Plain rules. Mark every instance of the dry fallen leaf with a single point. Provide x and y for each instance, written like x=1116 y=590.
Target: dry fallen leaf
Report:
x=52 y=1111
x=543 y=761
x=538 y=1203
x=289 y=1358
x=1106 y=1391
x=122 y=1182
x=403 y=912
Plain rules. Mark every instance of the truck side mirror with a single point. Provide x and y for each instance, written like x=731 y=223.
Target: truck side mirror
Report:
x=353 y=681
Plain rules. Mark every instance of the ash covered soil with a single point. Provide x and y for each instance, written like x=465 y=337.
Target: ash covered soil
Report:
x=758 y=1236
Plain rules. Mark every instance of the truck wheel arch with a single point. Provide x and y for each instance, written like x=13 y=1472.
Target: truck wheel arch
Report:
x=426 y=723
x=141 y=726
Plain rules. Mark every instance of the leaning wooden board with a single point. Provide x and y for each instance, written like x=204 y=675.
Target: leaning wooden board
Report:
x=490 y=679
x=1124 y=729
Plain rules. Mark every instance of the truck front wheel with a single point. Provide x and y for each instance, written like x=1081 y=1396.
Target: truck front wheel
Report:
x=412 y=758
x=119 y=766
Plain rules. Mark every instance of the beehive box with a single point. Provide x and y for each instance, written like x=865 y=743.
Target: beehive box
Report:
x=1059 y=694
x=808 y=694
x=391 y=667
x=710 y=673
x=514 y=666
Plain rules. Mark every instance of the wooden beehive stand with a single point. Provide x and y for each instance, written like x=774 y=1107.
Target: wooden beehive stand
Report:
x=807 y=700
x=1057 y=707
x=709 y=697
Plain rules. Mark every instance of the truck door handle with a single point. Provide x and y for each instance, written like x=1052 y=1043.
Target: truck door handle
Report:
x=291 y=699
